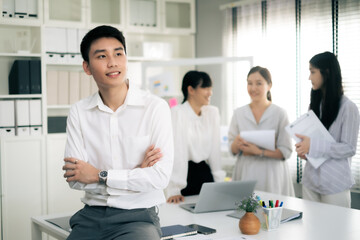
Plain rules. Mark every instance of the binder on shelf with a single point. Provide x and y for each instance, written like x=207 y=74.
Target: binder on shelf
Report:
x=7 y=113
x=84 y=85
x=135 y=13
x=23 y=131
x=74 y=58
x=74 y=89
x=35 y=112
x=72 y=46
x=149 y=15
x=22 y=113
x=63 y=88
x=21 y=8
x=8 y=8
x=32 y=9
x=55 y=43
x=35 y=76
x=19 y=77
x=35 y=131
x=7 y=132
x=51 y=88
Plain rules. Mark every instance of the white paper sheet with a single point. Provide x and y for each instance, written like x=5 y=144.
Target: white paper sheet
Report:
x=261 y=138
x=309 y=125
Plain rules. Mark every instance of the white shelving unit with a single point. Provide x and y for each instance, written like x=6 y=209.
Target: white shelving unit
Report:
x=182 y=17
x=38 y=159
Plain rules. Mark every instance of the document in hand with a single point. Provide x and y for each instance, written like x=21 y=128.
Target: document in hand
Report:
x=309 y=125
x=261 y=138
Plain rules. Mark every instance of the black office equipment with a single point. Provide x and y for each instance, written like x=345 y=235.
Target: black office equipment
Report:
x=57 y=124
x=202 y=229
x=19 y=77
x=170 y=232
x=35 y=76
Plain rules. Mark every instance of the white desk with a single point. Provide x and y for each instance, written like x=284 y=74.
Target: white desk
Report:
x=319 y=222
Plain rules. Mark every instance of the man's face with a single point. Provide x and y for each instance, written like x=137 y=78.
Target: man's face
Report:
x=107 y=63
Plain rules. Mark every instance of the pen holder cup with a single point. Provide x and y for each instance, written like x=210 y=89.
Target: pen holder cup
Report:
x=272 y=218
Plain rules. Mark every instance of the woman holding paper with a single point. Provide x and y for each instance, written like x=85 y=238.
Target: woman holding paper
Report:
x=265 y=164
x=196 y=127
x=332 y=180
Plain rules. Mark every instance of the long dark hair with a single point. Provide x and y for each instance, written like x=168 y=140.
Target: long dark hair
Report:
x=195 y=79
x=265 y=73
x=328 y=97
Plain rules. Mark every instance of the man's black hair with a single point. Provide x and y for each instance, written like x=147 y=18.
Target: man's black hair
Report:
x=96 y=33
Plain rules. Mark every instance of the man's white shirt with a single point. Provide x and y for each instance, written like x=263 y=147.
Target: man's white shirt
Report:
x=117 y=142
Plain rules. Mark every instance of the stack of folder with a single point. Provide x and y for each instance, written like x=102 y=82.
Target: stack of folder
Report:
x=25 y=77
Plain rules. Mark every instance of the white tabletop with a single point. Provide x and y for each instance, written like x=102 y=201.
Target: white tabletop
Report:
x=320 y=221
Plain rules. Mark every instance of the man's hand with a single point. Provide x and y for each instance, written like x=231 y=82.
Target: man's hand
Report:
x=78 y=170
x=176 y=199
x=152 y=156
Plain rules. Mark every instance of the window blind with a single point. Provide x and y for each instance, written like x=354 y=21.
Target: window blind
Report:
x=315 y=37
x=348 y=56
x=279 y=56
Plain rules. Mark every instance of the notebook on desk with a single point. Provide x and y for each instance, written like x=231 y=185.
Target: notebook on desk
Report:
x=220 y=196
x=173 y=231
x=287 y=215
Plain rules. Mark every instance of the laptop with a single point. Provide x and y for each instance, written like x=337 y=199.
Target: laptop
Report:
x=220 y=196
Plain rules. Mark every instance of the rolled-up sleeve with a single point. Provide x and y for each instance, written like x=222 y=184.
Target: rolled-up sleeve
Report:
x=345 y=146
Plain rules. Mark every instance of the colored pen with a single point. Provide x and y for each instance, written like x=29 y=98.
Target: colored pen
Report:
x=277 y=203
x=260 y=202
x=281 y=204
x=263 y=204
x=271 y=204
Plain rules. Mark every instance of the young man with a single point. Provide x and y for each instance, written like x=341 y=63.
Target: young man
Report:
x=113 y=147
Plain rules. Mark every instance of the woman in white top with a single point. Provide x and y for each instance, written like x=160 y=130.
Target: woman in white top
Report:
x=196 y=127
x=268 y=167
x=332 y=180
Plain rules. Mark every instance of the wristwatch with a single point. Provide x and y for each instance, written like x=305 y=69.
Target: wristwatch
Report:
x=103 y=176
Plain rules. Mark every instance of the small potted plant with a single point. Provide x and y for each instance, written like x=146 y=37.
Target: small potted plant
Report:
x=249 y=223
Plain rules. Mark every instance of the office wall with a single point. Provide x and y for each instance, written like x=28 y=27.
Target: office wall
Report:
x=208 y=41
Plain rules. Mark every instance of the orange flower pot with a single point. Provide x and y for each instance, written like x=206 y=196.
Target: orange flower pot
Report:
x=249 y=224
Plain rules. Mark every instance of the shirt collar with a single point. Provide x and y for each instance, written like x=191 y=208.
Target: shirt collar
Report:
x=191 y=111
x=249 y=114
x=133 y=98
